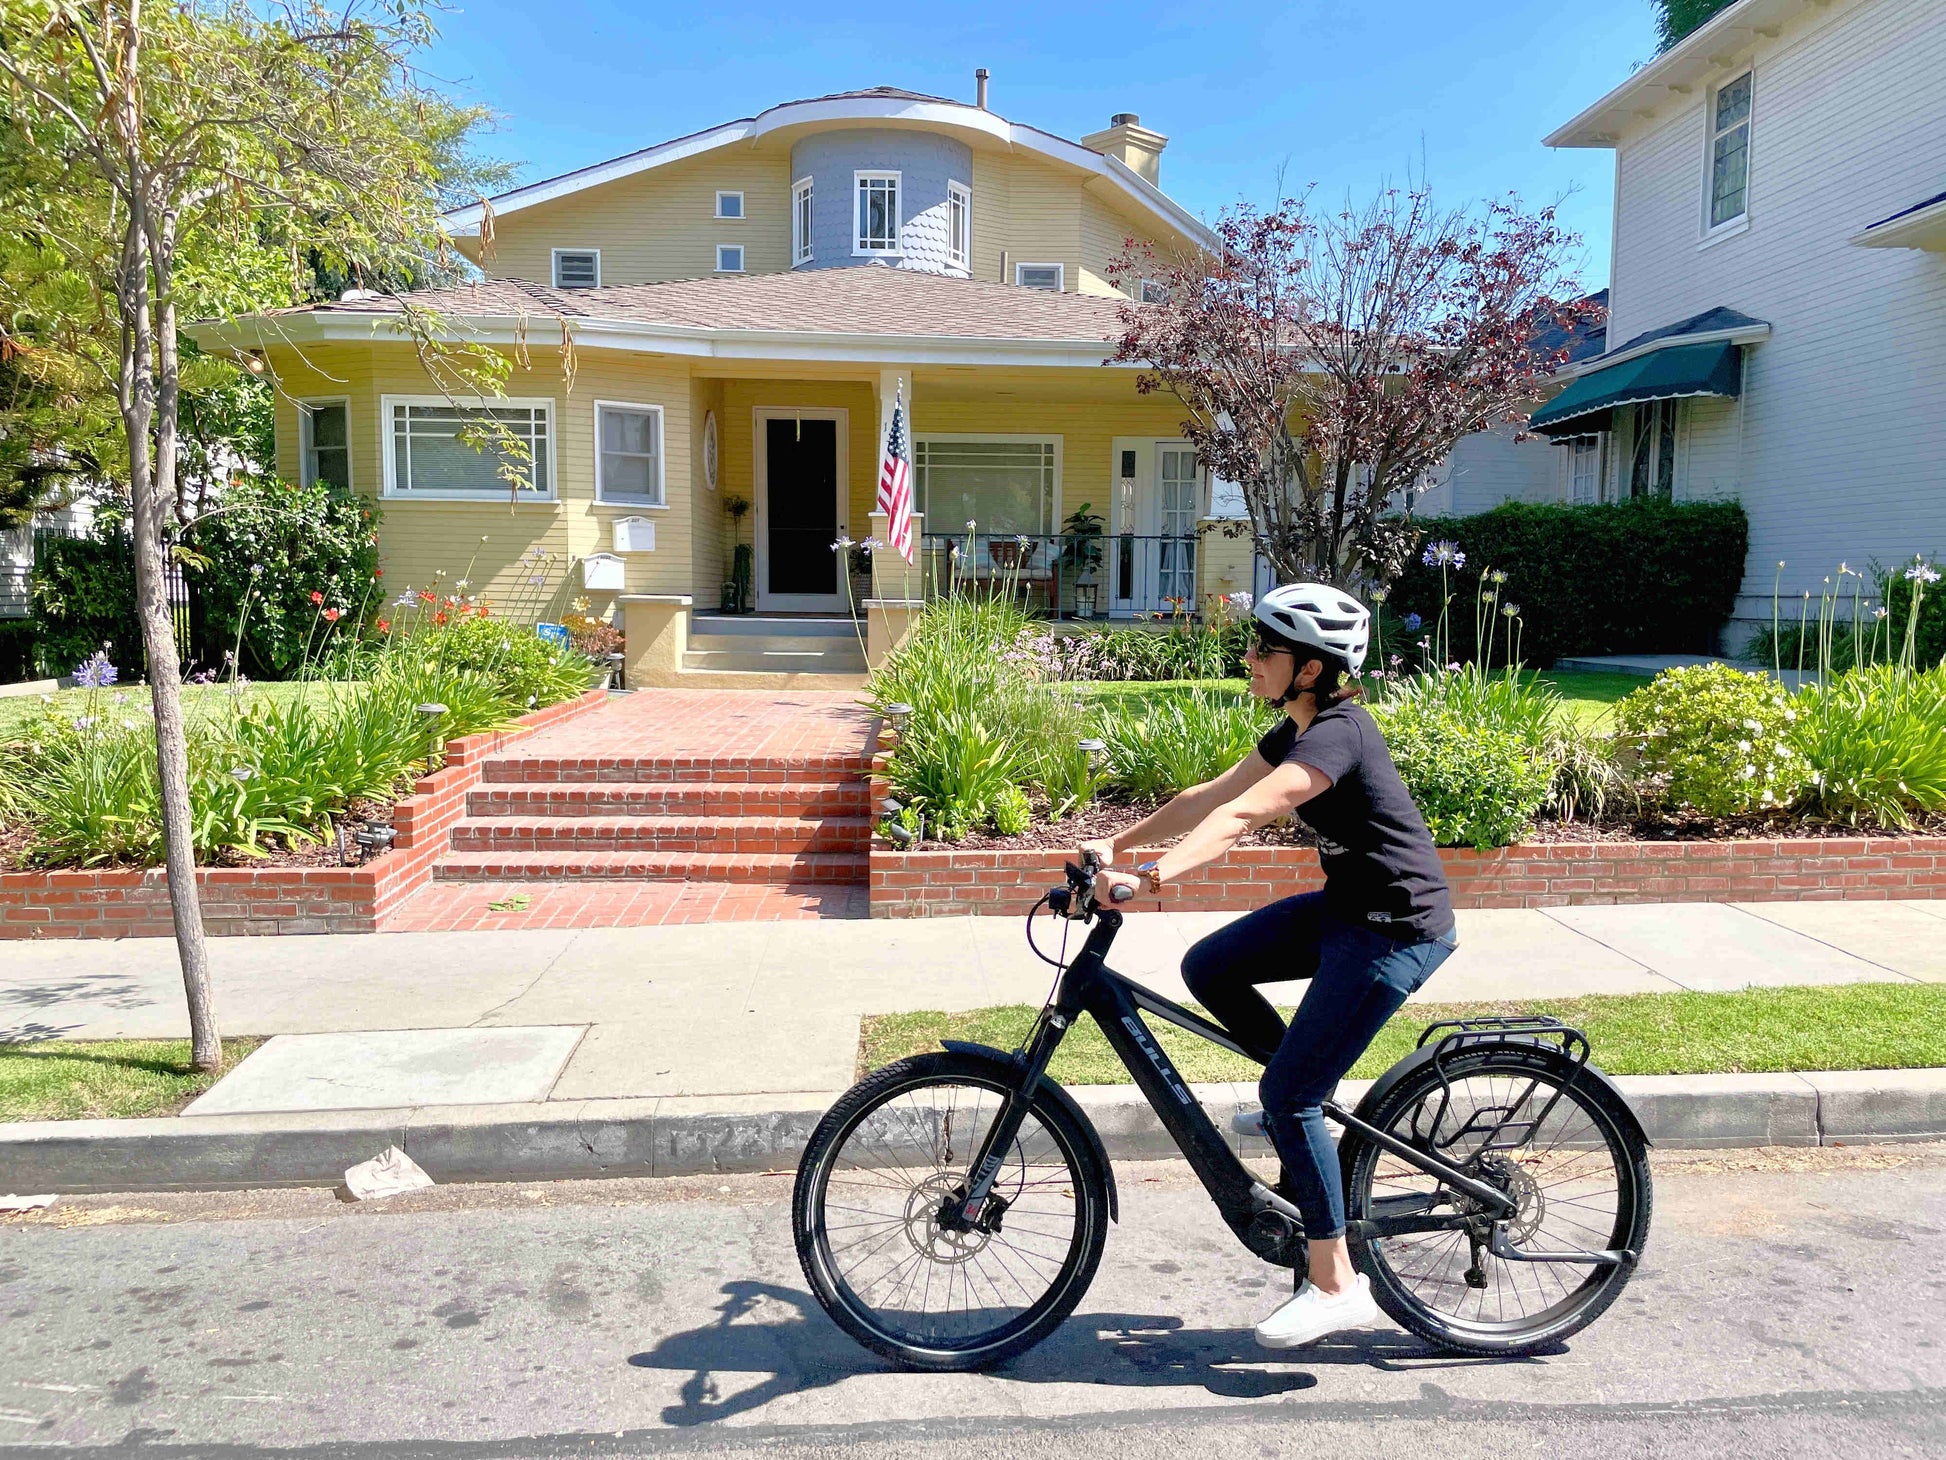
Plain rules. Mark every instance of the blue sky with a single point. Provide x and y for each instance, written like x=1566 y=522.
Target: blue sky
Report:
x=1337 y=93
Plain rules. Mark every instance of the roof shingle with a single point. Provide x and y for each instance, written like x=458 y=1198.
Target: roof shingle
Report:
x=870 y=299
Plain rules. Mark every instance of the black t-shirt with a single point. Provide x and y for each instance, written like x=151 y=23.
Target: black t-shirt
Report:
x=1380 y=866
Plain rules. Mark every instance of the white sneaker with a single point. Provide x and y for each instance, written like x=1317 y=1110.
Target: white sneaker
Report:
x=1310 y=1315
x=1250 y=1123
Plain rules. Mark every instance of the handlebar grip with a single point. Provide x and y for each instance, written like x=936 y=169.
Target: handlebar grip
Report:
x=1120 y=892
x=1090 y=863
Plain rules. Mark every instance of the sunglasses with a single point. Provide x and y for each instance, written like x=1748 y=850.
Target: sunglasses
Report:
x=1268 y=644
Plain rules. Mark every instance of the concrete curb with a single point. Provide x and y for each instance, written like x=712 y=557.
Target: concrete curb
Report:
x=692 y=1135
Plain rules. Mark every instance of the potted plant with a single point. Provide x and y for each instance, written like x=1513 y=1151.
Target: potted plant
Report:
x=742 y=557
x=859 y=564
x=1081 y=555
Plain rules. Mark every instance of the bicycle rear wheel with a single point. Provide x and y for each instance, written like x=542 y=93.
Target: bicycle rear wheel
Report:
x=884 y=1163
x=1513 y=1116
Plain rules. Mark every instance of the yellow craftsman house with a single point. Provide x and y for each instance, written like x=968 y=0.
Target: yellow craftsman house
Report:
x=744 y=306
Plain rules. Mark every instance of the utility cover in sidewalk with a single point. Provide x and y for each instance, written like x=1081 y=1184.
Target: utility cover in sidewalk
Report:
x=388 y=1069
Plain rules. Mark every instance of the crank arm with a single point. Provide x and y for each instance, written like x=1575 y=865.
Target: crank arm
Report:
x=1500 y=1247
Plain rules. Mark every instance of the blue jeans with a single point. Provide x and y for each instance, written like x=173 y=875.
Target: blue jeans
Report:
x=1359 y=978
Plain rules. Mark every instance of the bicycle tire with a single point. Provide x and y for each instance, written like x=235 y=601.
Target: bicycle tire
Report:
x=1594 y=1288
x=811 y=1229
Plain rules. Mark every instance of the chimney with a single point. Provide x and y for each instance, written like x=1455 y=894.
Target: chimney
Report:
x=980 y=88
x=1128 y=141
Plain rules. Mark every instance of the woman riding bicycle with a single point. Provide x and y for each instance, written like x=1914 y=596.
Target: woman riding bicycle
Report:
x=1382 y=924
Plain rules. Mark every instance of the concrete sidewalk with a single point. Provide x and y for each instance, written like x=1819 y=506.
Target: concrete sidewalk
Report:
x=749 y=1009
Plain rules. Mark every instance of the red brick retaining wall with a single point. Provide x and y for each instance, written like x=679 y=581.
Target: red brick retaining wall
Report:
x=135 y=903
x=923 y=884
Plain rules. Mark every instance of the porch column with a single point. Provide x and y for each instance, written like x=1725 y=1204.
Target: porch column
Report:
x=655 y=630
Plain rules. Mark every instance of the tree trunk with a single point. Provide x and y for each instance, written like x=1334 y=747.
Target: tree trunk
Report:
x=150 y=493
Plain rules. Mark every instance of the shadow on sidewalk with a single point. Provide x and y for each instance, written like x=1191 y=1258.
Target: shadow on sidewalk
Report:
x=806 y=1351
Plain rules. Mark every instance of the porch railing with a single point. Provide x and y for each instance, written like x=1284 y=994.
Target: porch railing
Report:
x=1068 y=575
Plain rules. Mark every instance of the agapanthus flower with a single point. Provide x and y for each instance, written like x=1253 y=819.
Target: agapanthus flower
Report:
x=1443 y=554
x=841 y=544
x=1922 y=573
x=83 y=722
x=1510 y=610
x=1497 y=576
x=1412 y=623
x=256 y=570
x=404 y=600
x=95 y=672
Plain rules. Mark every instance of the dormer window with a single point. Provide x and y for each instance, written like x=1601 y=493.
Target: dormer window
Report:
x=1051 y=277
x=577 y=268
x=729 y=205
x=878 y=213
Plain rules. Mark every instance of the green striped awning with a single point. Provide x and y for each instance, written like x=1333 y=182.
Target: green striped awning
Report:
x=1711 y=369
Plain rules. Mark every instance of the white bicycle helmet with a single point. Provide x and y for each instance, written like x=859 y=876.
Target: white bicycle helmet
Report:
x=1315 y=617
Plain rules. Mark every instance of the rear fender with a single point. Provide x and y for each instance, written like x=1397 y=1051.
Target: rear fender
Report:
x=1008 y=1067
x=1560 y=1063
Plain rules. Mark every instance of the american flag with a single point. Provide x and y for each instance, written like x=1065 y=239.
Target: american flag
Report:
x=895 y=483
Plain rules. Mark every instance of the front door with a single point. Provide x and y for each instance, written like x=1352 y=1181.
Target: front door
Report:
x=1177 y=477
x=800 y=511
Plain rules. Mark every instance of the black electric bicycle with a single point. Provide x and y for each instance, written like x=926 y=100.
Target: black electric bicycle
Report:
x=950 y=1209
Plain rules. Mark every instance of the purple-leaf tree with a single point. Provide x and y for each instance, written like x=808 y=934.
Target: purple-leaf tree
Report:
x=1327 y=361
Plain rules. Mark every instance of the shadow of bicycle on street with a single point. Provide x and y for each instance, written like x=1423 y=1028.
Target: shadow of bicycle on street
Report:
x=800 y=1350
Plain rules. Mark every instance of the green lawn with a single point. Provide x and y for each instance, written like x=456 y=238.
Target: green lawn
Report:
x=1590 y=696
x=1867 y=1026
x=119 y=1079
x=18 y=712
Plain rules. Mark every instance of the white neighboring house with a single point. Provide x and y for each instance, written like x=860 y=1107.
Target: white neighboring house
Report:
x=1779 y=285
x=1491 y=467
x=17 y=553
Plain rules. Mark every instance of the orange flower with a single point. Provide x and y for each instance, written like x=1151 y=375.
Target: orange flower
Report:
x=316 y=598
x=427 y=596
x=332 y=615
x=439 y=618
x=385 y=626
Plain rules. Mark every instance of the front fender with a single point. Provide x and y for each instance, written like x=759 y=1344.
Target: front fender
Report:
x=1009 y=1068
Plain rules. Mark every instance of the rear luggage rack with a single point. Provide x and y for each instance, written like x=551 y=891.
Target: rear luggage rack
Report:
x=1493 y=1127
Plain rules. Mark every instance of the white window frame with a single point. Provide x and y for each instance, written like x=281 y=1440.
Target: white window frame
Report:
x=860 y=177
x=1711 y=133
x=305 y=474
x=661 y=501
x=999 y=438
x=737 y=193
x=723 y=268
x=1143 y=288
x=803 y=216
x=498 y=492
x=1060 y=275
x=555 y=275
x=1598 y=440
x=959 y=225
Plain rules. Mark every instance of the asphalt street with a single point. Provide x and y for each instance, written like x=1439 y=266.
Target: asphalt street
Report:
x=1790 y=1302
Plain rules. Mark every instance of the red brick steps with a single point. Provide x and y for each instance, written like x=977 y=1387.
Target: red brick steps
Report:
x=759 y=834
x=785 y=817
x=834 y=868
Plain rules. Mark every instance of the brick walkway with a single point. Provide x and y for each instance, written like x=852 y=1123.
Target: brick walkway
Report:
x=667 y=806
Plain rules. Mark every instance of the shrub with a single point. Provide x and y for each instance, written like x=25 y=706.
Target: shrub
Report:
x=1158 y=749
x=1875 y=742
x=84 y=597
x=1477 y=785
x=1642 y=575
x=305 y=540
x=1715 y=740
x=1582 y=774
x=521 y=667
x=953 y=767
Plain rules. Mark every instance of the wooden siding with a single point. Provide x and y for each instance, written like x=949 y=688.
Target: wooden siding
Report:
x=656 y=225
x=659 y=225
x=1839 y=451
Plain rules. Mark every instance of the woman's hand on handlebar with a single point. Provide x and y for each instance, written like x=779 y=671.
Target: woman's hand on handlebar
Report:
x=1118 y=886
x=1103 y=853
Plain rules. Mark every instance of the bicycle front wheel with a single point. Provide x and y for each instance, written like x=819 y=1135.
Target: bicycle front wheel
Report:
x=894 y=1154
x=1514 y=1117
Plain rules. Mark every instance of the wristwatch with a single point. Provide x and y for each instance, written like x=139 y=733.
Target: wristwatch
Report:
x=1152 y=870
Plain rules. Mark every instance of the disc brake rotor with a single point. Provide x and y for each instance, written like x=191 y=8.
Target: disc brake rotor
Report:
x=922 y=1226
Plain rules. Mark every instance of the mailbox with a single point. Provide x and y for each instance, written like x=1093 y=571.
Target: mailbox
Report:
x=603 y=573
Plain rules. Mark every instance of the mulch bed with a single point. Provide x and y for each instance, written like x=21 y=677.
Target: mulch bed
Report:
x=325 y=853
x=1105 y=818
